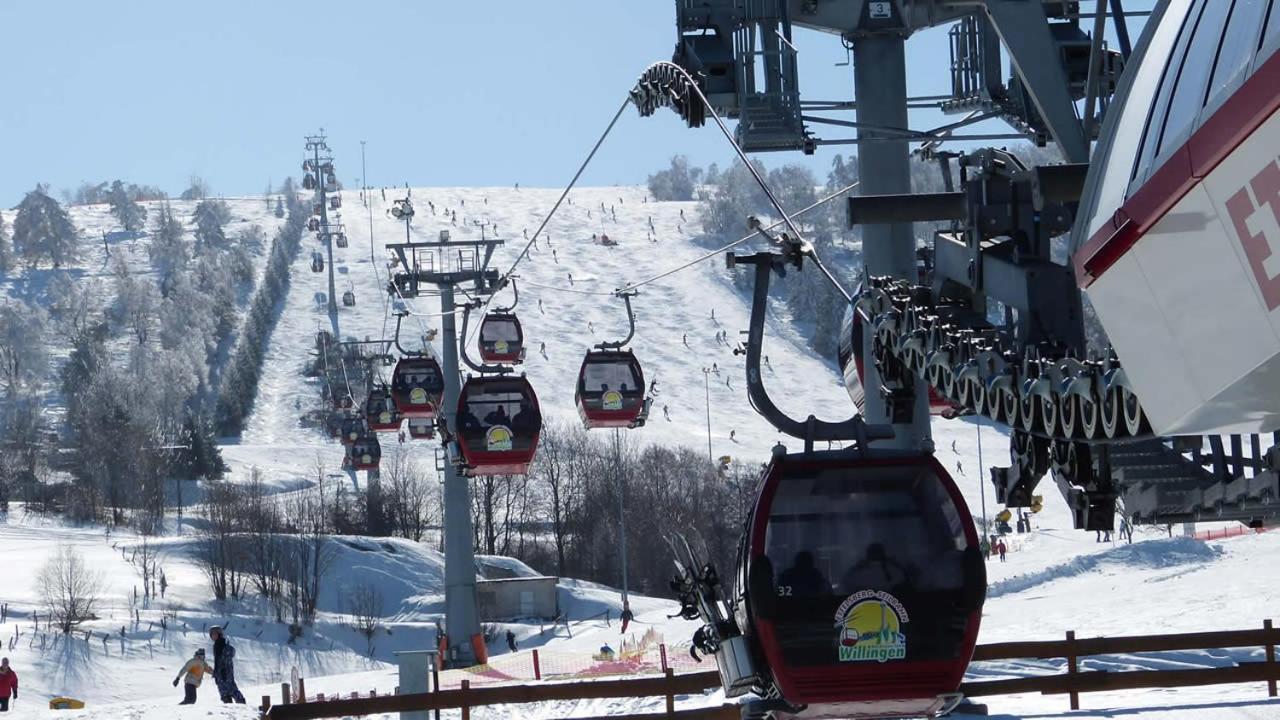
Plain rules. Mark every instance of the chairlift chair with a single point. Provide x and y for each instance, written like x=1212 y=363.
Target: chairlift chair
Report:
x=308 y=182
x=498 y=425
x=349 y=298
x=341 y=239
x=317 y=262
x=335 y=202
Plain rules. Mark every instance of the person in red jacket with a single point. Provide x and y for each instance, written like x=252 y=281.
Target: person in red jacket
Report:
x=8 y=684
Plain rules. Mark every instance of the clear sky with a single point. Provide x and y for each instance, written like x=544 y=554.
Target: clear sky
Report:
x=445 y=93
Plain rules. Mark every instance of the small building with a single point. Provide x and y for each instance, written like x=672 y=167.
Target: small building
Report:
x=515 y=598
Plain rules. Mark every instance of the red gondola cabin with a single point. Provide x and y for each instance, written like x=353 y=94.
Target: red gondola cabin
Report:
x=499 y=422
x=380 y=411
x=501 y=338
x=610 y=390
x=417 y=386
x=862 y=586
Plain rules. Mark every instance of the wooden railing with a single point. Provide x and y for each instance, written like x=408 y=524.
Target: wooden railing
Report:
x=669 y=685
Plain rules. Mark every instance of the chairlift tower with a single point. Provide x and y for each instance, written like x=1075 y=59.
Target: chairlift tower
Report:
x=446 y=264
x=745 y=61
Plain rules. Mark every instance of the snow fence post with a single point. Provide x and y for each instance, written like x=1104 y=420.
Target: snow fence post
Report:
x=284 y=693
x=537 y=667
x=662 y=652
x=671 y=698
x=1071 y=667
x=266 y=705
x=466 y=709
x=302 y=690
x=1271 y=658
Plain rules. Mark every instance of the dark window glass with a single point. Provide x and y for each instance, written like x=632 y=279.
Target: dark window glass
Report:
x=838 y=533
x=1189 y=93
x=505 y=406
x=1161 y=102
x=614 y=375
x=499 y=329
x=1237 y=44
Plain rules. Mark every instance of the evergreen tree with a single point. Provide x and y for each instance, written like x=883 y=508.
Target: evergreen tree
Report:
x=209 y=217
x=6 y=250
x=132 y=216
x=169 y=251
x=279 y=207
x=43 y=230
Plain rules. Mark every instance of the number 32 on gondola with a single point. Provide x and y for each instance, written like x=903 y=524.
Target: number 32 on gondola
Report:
x=870 y=626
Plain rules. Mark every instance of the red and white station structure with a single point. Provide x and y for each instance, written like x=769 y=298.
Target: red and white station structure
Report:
x=1178 y=242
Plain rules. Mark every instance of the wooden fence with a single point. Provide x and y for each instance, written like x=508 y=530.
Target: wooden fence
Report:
x=669 y=685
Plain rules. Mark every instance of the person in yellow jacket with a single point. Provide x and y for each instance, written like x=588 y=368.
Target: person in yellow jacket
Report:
x=195 y=669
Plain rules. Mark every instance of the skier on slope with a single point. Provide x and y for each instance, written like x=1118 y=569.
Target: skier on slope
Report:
x=195 y=669
x=224 y=667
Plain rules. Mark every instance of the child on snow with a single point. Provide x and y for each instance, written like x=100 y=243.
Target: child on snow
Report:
x=8 y=684
x=195 y=669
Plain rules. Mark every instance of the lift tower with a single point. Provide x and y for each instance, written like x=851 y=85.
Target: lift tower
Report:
x=445 y=265
x=743 y=56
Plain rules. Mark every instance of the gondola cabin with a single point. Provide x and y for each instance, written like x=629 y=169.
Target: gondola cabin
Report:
x=610 y=390
x=417 y=386
x=499 y=422
x=308 y=182
x=380 y=411
x=422 y=428
x=852 y=368
x=364 y=454
x=861 y=585
x=349 y=298
x=501 y=338
x=351 y=429
x=313 y=225
x=335 y=202
x=317 y=262
x=341 y=240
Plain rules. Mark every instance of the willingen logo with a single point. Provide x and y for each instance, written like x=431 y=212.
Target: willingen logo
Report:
x=870 y=624
x=498 y=439
x=1258 y=227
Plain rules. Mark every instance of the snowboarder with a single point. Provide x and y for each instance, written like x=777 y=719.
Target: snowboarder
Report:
x=553 y=254
x=627 y=617
x=224 y=667
x=8 y=684
x=959 y=468
x=1002 y=549
x=685 y=339
x=733 y=435
x=953 y=447
x=511 y=640
x=542 y=346
x=653 y=387
x=570 y=278
x=195 y=669
x=666 y=413
x=591 y=328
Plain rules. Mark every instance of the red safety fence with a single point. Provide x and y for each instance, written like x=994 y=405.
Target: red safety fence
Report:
x=645 y=654
x=1229 y=532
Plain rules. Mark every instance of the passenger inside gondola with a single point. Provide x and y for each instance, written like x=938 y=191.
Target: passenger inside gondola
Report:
x=875 y=570
x=468 y=420
x=803 y=577
x=527 y=420
x=498 y=416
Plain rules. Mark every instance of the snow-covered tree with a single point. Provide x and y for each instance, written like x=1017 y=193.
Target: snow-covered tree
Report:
x=197 y=189
x=6 y=249
x=169 y=250
x=42 y=230
x=132 y=216
x=70 y=588
x=674 y=183
x=209 y=218
x=23 y=359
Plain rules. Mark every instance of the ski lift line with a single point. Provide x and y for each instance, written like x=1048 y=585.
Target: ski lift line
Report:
x=605 y=293
x=735 y=243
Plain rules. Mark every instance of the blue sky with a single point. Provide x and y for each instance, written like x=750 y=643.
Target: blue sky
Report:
x=445 y=93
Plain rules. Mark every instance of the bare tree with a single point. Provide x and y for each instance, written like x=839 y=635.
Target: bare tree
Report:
x=365 y=604
x=219 y=549
x=69 y=588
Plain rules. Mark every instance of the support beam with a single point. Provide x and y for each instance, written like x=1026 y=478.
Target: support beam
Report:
x=880 y=83
x=1024 y=28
